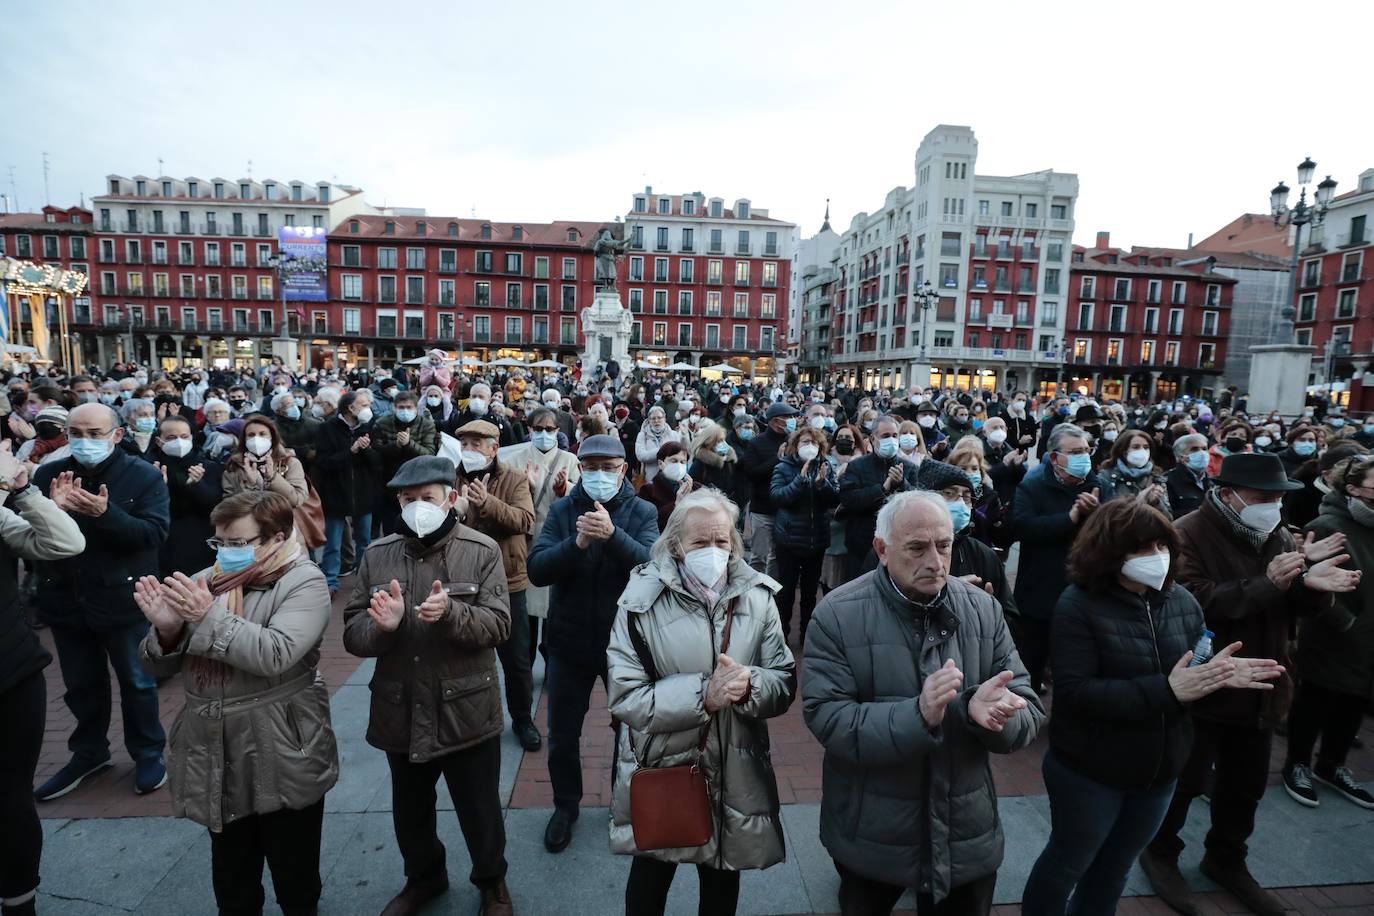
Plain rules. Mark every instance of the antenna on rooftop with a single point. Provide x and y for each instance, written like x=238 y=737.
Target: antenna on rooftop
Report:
x=14 y=191
x=47 y=198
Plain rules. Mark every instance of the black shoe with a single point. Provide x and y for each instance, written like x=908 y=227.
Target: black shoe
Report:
x=527 y=735
x=416 y=894
x=496 y=901
x=558 y=834
x=68 y=778
x=1297 y=780
x=1168 y=881
x=1343 y=782
x=1243 y=886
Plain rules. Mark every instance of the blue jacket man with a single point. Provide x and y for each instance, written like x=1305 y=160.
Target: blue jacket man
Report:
x=1051 y=502
x=121 y=505
x=592 y=539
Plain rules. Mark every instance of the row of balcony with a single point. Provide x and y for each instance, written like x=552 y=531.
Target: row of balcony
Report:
x=1000 y=252
x=1118 y=362
x=216 y=228
x=179 y=261
x=157 y=292
x=1117 y=327
x=1205 y=301
x=739 y=251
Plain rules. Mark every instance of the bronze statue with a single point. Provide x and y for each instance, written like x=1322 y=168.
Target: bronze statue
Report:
x=607 y=249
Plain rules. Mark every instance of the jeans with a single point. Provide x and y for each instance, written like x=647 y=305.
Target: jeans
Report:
x=797 y=571
x=86 y=657
x=1241 y=758
x=569 y=686
x=516 y=663
x=333 y=540
x=289 y=840
x=23 y=709
x=860 y=896
x=1334 y=716
x=761 y=555
x=1096 y=834
x=473 y=776
x=646 y=892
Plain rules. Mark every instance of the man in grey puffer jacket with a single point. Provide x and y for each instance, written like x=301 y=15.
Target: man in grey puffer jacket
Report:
x=911 y=680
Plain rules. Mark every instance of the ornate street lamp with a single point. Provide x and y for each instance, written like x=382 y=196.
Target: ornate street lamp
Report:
x=283 y=266
x=925 y=298
x=1301 y=214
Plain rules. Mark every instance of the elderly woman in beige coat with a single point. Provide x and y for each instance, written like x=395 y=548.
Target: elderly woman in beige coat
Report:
x=252 y=753
x=678 y=603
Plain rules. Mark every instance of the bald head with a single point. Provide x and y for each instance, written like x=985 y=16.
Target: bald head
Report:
x=98 y=416
x=914 y=540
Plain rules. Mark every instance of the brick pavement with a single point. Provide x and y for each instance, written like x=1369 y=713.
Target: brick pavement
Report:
x=111 y=793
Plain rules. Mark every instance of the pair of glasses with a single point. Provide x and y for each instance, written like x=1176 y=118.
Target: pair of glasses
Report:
x=216 y=543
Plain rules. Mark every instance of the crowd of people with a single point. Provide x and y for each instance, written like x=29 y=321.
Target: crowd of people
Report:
x=1185 y=583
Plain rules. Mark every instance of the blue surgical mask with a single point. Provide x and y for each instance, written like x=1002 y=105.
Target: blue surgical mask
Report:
x=300 y=402
x=1304 y=448
x=1337 y=422
x=722 y=448
x=975 y=478
x=1079 y=465
x=601 y=485
x=233 y=559
x=293 y=412
x=830 y=424
x=90 y=452
x=145 y=424
x=544 y=440
x=405 y=415
x=791 y=424
x=887 y=447
x=977 y=424
x=1198 y=461
x=1369 y=429
x=746 y=434
x=1063 y=411
x=959 y=514
x=907 y=441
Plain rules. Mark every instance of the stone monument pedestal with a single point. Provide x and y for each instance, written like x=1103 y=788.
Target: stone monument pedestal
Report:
x=1278 y=378
x=289 y=351
x=606 y=327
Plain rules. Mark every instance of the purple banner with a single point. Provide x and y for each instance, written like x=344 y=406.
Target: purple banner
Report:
x=304 y=250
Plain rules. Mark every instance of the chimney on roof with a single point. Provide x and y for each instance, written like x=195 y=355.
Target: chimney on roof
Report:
x=1190 y=240
x=1104 y=240
x=648 y=190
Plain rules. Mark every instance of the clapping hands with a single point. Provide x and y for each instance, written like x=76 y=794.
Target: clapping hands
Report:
x=728 y=684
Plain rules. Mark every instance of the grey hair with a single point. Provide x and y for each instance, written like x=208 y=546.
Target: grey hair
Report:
x=126 y=410
x=669 y=543
x=1065 y=431
x=328 y=396
x=212 y=403
x=888 y=513
x=658 y=410
x=284 y=398
x=472 y=392
x=1183 y=443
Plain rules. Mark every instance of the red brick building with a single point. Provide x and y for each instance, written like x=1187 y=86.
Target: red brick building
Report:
x=58 y=236
x=1147 y=325
x=400 y=285
x=1335 y=307
x=707 y=283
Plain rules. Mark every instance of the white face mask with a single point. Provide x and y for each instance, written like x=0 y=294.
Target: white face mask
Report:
x=997 y=436
x=1138 y=457
x=926 y=421
x=423 y=517
x=675 y=471
x=474 y=461
x=707 y=564
x=177 y=448
x=808 y=451
x=552 y=404
x=816 y=422
x=1263 y=517
x=478 y=407
x=258 y=445
x=1150 y=570
x=434 y=400
x=364 y=416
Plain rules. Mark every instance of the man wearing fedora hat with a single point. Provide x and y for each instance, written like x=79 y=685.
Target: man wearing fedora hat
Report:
x=1251 y=578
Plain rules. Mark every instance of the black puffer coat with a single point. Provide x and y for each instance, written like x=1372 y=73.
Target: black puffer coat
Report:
x=757 y=463
x=862 y=495
x=801 y=520
x=1116 y=720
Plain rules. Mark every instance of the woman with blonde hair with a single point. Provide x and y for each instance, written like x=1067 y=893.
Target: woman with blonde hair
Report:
x=911 y=445
x=696 y=665
x=713 y=461
x=990 y=522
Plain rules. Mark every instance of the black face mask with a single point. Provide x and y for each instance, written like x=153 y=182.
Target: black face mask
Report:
x=844 y=446
x=236 y=403
x=1235 y=444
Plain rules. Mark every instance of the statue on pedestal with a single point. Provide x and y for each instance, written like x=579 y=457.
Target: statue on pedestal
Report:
x=607 y=249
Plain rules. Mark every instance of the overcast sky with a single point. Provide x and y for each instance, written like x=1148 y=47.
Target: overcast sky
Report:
x=1176 y=117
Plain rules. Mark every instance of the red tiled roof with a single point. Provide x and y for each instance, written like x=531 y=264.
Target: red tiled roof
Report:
x=38 y=222
x=1249 y=233
x=553 y=234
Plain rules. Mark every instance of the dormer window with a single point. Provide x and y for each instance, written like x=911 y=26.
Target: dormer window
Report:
x=114 y=185
x=322 y=193
x=353 y=226
x=665 y=205
x=192 y=189
x=742 y=210
x=245 y=191
x=689 y=207
x=140 y=188
x=572 y=235
x=486 y=230
x=640 y=205
x=389 y=229
x=453 y=230
x=269 y=190
x=717 y=209
x=297 y=192
x=420 y=227
x=518 y=233
x=166 y=189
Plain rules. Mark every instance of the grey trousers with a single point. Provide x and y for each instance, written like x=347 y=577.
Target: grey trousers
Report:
x=761 y=554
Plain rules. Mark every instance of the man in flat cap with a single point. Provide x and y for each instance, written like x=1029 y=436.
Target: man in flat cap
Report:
x=591 y=540
x=430 y=604
x=501 y=506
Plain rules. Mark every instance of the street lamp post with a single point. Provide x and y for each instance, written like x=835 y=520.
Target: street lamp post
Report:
x=282 y=266
x=1298 y=216
x=925 y=299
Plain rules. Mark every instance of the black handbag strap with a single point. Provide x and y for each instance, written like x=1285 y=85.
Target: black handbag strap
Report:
x=646 y=661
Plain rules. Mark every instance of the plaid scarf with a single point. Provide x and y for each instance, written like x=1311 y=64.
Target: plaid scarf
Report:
x=708 y=594
x=208 y=672
x=1242 y=531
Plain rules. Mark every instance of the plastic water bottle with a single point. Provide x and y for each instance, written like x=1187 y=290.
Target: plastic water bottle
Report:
x=1202 y=652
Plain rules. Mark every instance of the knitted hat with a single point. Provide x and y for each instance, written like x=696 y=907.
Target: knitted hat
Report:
x=936 y=475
